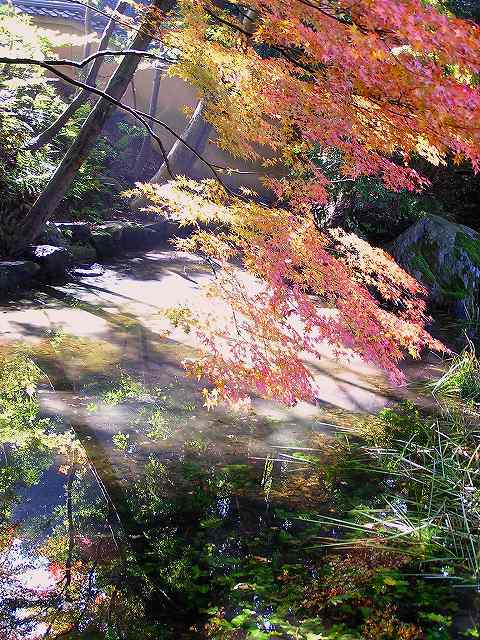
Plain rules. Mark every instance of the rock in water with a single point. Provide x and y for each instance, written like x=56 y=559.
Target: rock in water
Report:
x=445 y=258
x=53 y=261
x=86 y=271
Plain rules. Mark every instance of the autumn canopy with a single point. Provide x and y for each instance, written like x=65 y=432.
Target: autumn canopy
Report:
x=376 y=83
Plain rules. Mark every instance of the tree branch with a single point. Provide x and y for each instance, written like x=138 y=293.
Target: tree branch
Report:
x=82 y=96
x=248 y=34
x=126 y=24
x=66 y=62
x=141 y=116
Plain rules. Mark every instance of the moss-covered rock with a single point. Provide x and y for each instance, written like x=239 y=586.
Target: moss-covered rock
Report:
x=443 y=256
x=83 y=254
x=107 y=239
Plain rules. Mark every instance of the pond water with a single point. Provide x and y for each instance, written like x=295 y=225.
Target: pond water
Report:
x=127 y=505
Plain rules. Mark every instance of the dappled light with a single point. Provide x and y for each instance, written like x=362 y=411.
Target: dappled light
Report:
x=239 y=320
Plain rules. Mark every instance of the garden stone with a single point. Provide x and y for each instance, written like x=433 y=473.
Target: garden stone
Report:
x=83 y=253
x=53 y=236
x=53 y=261
x=445 y=258
x=147 y=236
x=77 y=232
x=107 y=240
x=84 y=271
x=15 y=274
x=152 y=237
x=133 y=237
x=166 y=229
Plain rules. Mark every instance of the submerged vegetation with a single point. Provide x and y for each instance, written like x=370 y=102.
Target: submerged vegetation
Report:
x=369 y=533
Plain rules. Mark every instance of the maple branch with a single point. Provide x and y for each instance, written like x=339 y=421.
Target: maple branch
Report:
x=246 y=33
x=66 y=62
x=343 y=21
x=232 y=25
x=323 y=12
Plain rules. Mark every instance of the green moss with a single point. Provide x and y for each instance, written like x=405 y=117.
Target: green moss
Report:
x=430 y=251
x=459 y=293
x=425 y=261
x=454 y=288
x=419 y=262
x=470 y=245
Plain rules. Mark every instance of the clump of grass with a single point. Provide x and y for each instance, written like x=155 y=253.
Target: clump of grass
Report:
x=462 y=378
x=161 y=429
x=428 y=503
x=127 y=388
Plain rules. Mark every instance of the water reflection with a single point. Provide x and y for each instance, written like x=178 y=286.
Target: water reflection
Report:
x=124 y=505
x=128 y=512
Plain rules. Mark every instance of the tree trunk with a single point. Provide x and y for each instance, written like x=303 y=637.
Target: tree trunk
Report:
x=50 y=198
x=47 y=136
x=180 y=158
x=145 y=148
x=87 y=30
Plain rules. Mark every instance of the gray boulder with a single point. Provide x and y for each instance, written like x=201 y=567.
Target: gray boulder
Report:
x=53 y=236
x=445 y=258
x=15 y=274
x=150 y=235
x=83 y=254
x=134 y=237
x=111 y=238
x=166 y=229
x=151 y=238
x=53 y=261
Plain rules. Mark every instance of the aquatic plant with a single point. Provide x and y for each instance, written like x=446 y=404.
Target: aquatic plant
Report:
x=428 y=505
x=462 y=378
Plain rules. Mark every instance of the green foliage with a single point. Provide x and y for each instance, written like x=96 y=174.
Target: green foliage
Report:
x=379 y=213
x=127 y=388
x=161 y=429
x=28 y=105
x=462 y=378
x=427 y=503
x=19 y=377
x=27 y=439
x=398 y=423
x=366 y=207
x=236 y=567
x=28 y=102
x=121 y=441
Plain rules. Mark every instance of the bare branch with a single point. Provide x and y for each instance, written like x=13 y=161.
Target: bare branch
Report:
x=66 y=62
x=127 y=24
x=82 y=96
